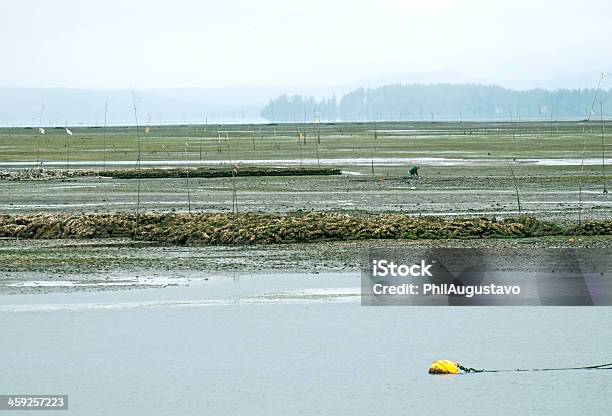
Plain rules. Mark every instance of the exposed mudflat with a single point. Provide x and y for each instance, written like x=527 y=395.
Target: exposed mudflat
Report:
x=544 y=191
x=553 y=172
x=42 y=266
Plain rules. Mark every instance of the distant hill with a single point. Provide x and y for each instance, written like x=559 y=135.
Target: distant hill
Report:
x=440 y=102
x=22 y=106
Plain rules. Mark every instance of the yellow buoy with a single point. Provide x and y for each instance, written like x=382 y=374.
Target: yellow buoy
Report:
x=444 y=367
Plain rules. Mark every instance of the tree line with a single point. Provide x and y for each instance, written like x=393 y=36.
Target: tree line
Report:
x=441 y=102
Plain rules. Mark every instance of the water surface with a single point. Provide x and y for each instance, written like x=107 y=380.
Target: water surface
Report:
x=296 y=344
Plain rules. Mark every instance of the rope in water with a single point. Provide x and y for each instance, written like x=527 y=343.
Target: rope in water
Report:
x=590 y=367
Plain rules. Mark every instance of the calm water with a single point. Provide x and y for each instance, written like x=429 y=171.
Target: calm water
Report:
x=296 y=344
x=379 y=161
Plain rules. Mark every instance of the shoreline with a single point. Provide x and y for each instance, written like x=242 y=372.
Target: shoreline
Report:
x=49 y=266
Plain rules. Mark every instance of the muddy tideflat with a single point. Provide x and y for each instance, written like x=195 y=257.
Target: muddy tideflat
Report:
x=466 y=172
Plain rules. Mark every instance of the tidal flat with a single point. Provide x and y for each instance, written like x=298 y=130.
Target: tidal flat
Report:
x=495 y=172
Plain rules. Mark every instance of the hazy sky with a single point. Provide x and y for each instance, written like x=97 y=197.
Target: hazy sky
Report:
x=199 y=43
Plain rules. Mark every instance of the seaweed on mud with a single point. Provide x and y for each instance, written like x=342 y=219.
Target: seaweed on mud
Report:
x=40 y=174
x=592 y=228
x=215 y=172
x=244 y=229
